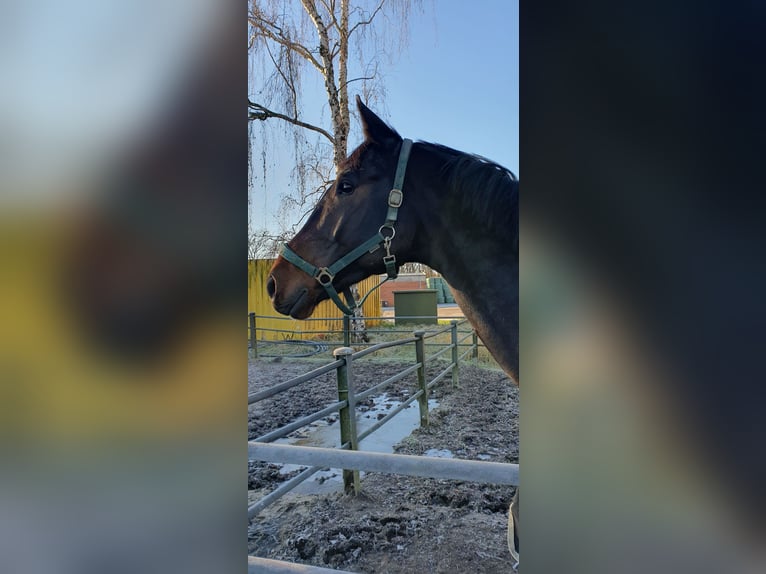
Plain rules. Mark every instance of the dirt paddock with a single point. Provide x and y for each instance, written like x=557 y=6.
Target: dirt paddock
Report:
x=398 y=524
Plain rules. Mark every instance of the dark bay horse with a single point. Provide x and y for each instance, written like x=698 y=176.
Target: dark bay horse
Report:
x=394 y=202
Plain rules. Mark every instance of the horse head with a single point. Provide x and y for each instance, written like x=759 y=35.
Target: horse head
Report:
x=355 y=230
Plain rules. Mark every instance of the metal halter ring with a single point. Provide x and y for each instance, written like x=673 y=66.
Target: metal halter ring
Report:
x=386 y=226
x=324 y=276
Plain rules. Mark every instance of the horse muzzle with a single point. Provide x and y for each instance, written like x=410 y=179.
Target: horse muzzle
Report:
x=293 y=294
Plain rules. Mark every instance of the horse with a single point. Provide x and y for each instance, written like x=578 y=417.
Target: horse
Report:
x=394 y=201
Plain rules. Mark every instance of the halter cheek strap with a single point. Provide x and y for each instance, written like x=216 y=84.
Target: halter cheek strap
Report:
x=326 y=275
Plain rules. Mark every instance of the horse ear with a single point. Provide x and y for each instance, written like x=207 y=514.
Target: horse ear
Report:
x=376 y=129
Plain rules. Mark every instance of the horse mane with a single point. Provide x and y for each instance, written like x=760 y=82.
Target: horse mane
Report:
x=482 y=188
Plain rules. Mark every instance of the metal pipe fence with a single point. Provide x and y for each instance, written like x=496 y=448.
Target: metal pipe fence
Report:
x=348 y=457
x=348 y=397
x=341 y=335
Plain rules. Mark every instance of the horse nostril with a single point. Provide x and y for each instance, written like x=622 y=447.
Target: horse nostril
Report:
x=271 y=286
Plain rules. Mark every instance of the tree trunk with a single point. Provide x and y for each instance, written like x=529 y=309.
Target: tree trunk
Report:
x=358 y=325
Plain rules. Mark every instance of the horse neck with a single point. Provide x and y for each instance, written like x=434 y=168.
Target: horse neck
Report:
x=490 y=301
x=481 y=268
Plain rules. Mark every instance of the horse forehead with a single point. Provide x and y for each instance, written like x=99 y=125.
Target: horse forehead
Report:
x=366 y=159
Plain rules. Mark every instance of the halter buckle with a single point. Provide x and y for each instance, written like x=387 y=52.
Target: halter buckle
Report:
x=395 y=198
x=324 y=277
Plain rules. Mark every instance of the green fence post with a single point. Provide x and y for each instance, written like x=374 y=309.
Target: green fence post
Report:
x=455 y=373
x=347 y=414
x=253 y=341
x=475 y=343
x=420 y=357
x=346 y=330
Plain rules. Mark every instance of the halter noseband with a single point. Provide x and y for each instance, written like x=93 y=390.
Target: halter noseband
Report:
x=326 y=275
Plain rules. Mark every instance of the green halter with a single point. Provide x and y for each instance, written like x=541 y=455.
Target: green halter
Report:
x=326 y=275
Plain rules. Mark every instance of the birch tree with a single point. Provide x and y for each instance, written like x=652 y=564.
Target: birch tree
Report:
x=331 y=38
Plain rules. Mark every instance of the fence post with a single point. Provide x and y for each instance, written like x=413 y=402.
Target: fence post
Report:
x=347 y=414
x=346 y=330
x=475 y=343
x=420 y=357
x=253 y=341
x=455 y=372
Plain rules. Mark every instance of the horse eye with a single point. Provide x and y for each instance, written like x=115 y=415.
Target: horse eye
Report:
x=345 y=187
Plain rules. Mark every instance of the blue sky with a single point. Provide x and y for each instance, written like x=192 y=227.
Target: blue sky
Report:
x=456 y=84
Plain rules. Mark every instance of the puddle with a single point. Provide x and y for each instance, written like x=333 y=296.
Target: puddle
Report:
x=439 y=453
x=325 y=434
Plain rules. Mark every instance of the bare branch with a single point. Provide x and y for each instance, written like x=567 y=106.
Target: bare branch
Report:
x=369 y=20
x=361 y=78
x=259 y=112
x=289 y=80
x=268 y=29
x=331 y=11
x=263 y=244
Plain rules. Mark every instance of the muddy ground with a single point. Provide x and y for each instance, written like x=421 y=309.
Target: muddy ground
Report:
x=398 y=524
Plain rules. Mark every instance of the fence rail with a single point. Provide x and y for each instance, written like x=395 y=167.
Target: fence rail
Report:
x=427 y=467
x=266 y=566
x=318 y=340
x=280 y=388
